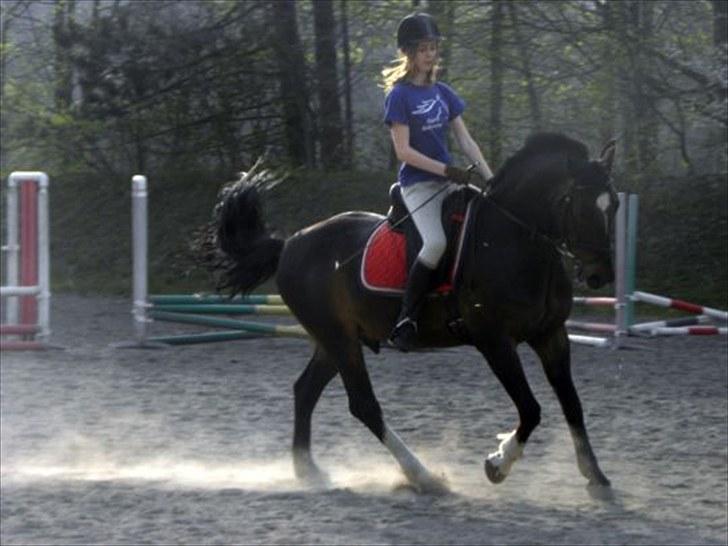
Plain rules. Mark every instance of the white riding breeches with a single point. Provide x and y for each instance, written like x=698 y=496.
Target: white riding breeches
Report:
x=428 y=217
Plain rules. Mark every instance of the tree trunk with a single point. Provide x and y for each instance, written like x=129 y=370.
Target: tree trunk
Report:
x=444 y=14
x=720 y=22
x=647 y=126
x=292 y=82
x=496 y=84
x=534 y=102
x=624 y=34
x=348 y=113
x=331 y=133
x=720 y=40
x=63 y=36
x=608 y=76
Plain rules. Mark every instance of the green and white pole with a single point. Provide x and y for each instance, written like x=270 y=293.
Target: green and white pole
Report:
x=620 y=272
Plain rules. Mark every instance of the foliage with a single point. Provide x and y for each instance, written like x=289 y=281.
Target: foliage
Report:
x=191 y=92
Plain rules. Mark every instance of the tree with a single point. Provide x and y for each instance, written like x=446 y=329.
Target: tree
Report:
x=327 y=82
x=496 y=82
x=292 y=79
x=348 y=112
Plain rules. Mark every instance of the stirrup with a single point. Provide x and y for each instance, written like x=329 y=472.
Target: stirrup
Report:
x=402 y=323
x=404 y=335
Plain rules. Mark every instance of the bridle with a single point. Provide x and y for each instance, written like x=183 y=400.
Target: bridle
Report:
x=570 y=234
x=567 y=243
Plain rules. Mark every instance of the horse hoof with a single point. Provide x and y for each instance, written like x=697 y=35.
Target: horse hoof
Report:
x=493 y=472
x=600 y=480
x=432 y=485
x=601 y=492
x=310 y=474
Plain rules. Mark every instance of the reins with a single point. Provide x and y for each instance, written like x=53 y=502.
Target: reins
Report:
x=534 y=233
x=559 y=245
x=563 y=245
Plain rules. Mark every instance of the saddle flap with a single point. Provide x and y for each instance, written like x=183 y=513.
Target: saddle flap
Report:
x=397 y=215
x=389 y=252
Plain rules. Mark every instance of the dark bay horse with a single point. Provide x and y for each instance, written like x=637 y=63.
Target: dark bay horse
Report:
x=549 y=199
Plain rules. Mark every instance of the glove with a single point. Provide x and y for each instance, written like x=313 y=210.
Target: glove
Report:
x=458 y=176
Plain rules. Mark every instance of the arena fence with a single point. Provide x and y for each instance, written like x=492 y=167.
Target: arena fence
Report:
x=215 y=310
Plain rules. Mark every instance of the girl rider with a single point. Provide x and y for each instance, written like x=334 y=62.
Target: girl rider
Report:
x=419 y=110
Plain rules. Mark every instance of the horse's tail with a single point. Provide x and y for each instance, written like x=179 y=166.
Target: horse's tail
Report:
x=236 y=246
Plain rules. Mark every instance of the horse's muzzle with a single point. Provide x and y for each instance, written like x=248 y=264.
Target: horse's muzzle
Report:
x=597 y=274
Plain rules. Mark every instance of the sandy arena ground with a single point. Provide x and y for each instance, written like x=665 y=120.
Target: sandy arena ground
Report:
x=191 y=445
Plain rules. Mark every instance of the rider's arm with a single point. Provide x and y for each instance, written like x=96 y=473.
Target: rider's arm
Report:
x=470 y=148
x=406 y=154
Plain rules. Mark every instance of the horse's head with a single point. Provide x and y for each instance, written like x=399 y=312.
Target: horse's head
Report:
x=552 y=188
x=589 y=207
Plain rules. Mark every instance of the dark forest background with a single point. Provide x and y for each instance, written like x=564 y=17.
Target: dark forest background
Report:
x=190 y=93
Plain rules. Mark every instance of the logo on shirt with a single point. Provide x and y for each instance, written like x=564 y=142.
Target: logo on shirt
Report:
x=435 y=112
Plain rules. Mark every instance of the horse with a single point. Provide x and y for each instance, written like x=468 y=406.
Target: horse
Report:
x=547 y=201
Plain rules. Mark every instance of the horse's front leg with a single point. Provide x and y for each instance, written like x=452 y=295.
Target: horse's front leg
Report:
x=555 y=354
x=500 y=352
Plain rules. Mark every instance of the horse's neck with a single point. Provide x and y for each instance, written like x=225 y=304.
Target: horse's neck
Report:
x=532 y=202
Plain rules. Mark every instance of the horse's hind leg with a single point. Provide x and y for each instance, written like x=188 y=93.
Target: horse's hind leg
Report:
x=555 y=354
x=503 y=359
x=307 y=390
x=364 y=406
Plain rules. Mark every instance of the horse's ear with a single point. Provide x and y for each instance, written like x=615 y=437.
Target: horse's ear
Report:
x=606 y=158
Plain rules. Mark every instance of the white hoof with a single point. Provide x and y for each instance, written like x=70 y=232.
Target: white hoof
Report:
x=426 y=484
x=432 y=485
x=493 y=472
x=498 y=464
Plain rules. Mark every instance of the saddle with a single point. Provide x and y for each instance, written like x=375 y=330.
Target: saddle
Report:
x=393 y=246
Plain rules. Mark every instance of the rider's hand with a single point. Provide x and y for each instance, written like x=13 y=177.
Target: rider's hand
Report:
x=458 y=176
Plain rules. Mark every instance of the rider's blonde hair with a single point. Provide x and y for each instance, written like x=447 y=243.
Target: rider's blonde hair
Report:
x=403 y=68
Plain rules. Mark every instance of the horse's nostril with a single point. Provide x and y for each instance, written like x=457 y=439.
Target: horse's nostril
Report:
x=594 y=281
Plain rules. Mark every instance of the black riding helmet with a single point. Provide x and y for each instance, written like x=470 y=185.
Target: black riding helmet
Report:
x=415 y=28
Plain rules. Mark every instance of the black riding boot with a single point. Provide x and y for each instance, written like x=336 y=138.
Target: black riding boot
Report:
x=404 y=335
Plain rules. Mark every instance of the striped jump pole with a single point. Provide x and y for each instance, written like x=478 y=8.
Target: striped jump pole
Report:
x=681 y=305
x=596 y=301
x=592 y=326
x=590 y=340
x=206 y=337
x=239 y=325
x=27 y=295
x=186 y=299
x=690 y=331
x=225 y=309
x=671 y=323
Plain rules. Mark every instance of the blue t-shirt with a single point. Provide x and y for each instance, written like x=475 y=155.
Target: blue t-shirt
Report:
x=427 y=110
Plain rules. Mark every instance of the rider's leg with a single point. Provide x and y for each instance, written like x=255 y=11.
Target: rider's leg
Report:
x=427 y=219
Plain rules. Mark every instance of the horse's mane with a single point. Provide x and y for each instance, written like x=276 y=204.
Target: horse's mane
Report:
x=537 y=145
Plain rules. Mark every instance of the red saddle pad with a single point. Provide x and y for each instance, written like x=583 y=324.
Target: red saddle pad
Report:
x=384 y=264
